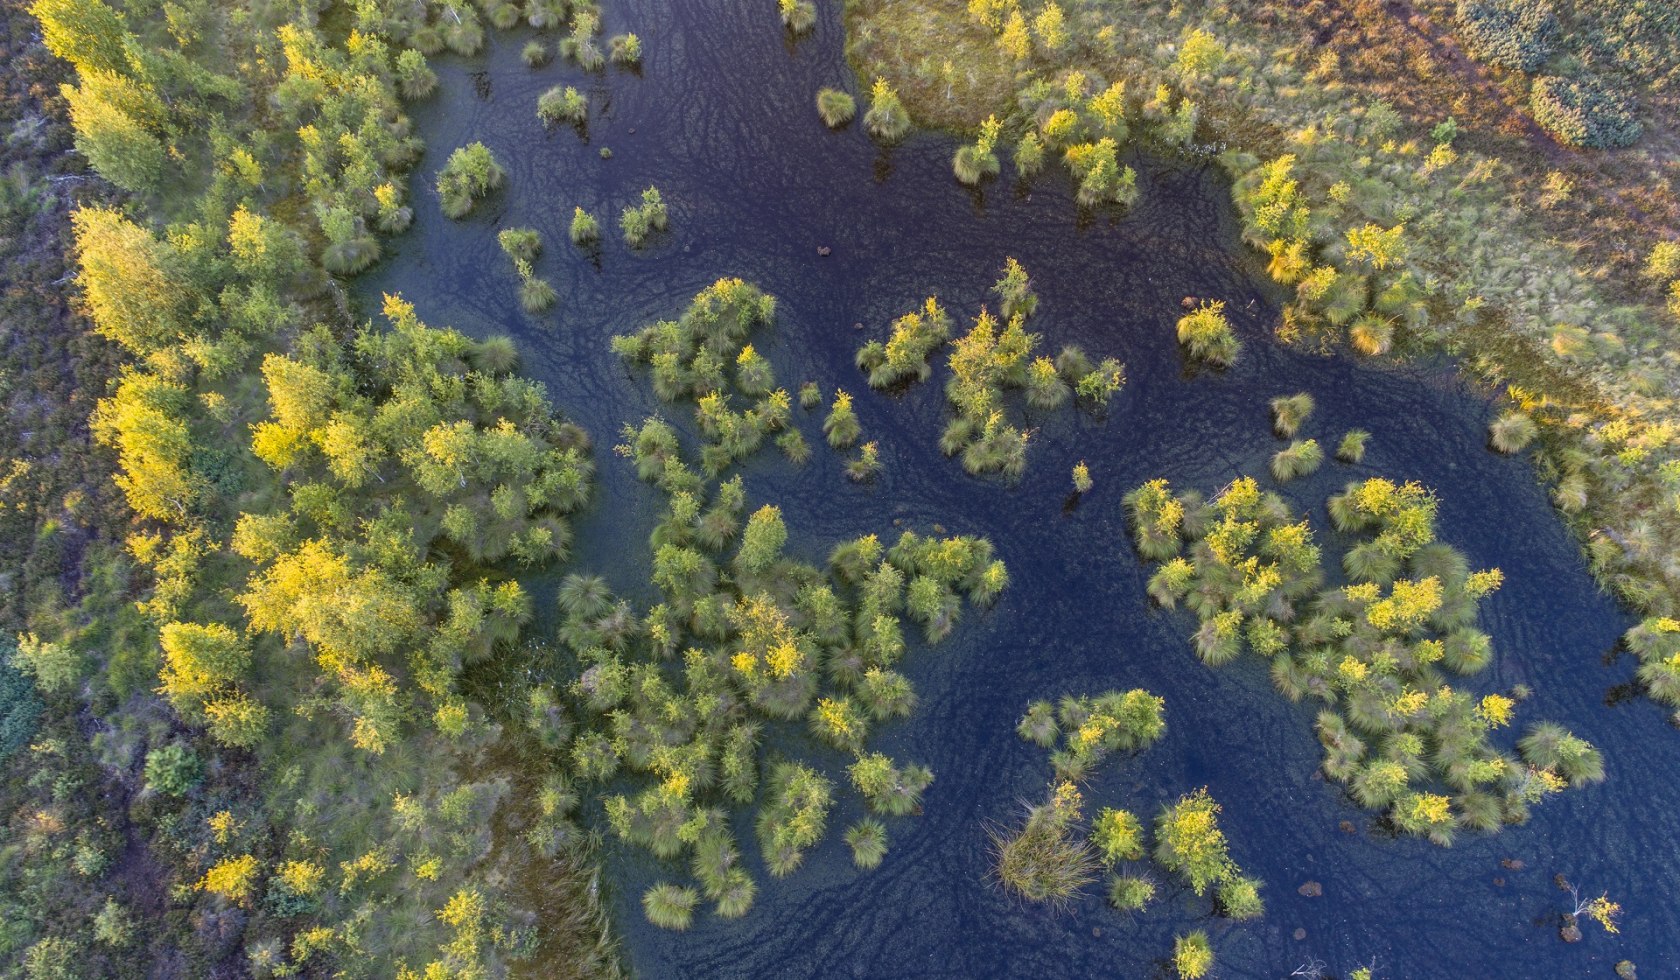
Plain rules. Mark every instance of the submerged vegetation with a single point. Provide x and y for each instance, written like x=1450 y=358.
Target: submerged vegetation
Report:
x=1375 y=650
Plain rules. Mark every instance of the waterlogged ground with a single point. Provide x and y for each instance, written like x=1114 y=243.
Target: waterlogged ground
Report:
x=721 y=118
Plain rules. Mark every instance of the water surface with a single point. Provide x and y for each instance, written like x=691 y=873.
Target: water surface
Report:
x=722 y=119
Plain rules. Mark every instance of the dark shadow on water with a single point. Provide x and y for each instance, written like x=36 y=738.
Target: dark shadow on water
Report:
x=725 y=125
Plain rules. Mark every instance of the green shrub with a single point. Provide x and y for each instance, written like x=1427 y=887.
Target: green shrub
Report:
x=563 y=103
x=1207 y=336
x=585 y=229
x=470 y=173
x=1517 y=34
x=20 y=710
x=625 y=49
x=173 y=770
x=1581 y=112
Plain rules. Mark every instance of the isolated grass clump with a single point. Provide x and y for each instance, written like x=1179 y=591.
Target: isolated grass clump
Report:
x=1302 y=457
x=868 y=840
x=1352 y=447
x=1128 y=893
x=625 y=49
x=670 y=906
x=1584 y=112
x=563 y=103
x=1206 y=335
x=1289 y=412
x=1046 y=859
x=1192 y=955
x=798 y=16
x=585 y=230
x=535 y=54
x=835 y=107
x=470 y=173
x=639 y=221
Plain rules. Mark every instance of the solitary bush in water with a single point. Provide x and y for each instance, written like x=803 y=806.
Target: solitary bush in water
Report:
x=904 y=356
x=1206 y=335
x=841 y=427
x=866 y=465
x=580 y=45
x=1046 y=860
x=886 y=119
x=1512 y=432
x=520 y=244
x=1352 y=447
x=868 y=840
x=835 y=107
x=1551 y=746
x=639 y=221
x=1038 y=725
x=1128 y=893
x=536 y=294
x=1188 y=840
x=1239 y=898
x=1192 y=956
x=798 y=16
x=1299 y=459
x=1289 y=412
x=563 y=103
x=670 y=906
x=470 y=173
x=625 y=49
x=585 y=229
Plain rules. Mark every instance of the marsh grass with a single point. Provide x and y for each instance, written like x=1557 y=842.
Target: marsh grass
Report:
x=1352 y=447
x=1300 y=458
x=835 y=107
x=1290 y=412
x=670 y=906
x=1046 y=859
x=868 y=840
x=1511 y=432
x=1207 y=336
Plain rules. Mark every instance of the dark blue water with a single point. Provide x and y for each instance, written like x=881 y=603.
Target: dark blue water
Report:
x=722 y=120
